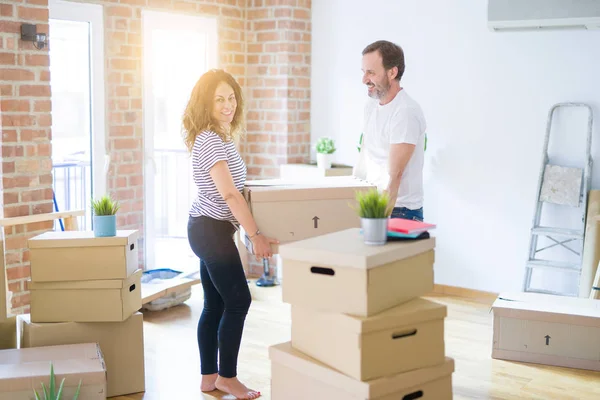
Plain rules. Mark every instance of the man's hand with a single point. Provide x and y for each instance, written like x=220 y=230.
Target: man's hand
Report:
x=400 y=154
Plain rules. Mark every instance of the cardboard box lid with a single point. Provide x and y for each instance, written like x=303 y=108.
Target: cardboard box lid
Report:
x=410 y=313
x=346 y=248
x=547 y=307
x=326 y=188
x=57 y=239
x=24 y=369
x=285 y=354
x=92 y=284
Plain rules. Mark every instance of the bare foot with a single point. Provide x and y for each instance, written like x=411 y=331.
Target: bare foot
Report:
x=208 y=382
x=234 y=387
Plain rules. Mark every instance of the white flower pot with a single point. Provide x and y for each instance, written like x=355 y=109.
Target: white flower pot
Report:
x=324 y=160
x=374 y=231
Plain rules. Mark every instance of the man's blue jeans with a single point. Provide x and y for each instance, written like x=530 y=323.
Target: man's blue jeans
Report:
x=407 y=213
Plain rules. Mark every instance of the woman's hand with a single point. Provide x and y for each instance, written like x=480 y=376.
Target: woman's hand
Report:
x=261 y=246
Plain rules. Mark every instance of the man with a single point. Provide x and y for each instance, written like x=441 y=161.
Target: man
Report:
x=392 y=148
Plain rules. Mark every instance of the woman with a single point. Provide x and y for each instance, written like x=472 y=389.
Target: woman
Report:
x=212 y=122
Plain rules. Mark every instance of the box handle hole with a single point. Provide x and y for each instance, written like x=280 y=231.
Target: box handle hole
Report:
x=132 y=246
x=132 y=288
x=414 y=395
x=322 y=271
x=400 y=335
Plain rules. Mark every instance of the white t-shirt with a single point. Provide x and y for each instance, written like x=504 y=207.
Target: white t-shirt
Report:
x=399 y=121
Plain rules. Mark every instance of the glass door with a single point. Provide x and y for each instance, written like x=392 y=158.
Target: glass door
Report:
x=78 y=122
x=178 y=49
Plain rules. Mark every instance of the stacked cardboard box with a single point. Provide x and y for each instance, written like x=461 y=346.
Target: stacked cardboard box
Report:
x=360 y=329
x=88 y=289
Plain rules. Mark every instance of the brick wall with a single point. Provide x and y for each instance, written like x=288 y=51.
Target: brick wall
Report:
x=278 y=84
x=26 y=147
x=264 y=43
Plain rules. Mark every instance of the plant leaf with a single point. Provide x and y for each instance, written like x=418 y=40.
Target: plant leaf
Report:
x=46 y=394
x=60 y=389
x=37 y=396
x=77 y=392
x=52 y=383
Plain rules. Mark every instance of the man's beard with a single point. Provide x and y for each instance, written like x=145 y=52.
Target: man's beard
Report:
x=379 y=90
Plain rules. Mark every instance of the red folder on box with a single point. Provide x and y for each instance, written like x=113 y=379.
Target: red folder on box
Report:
x=408 y=226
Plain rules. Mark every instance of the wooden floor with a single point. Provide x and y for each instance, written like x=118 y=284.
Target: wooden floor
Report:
x=172 y=362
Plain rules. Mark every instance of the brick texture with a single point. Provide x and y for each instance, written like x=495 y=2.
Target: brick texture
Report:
x=265 y=44
x=278 y=73
x=26 y=147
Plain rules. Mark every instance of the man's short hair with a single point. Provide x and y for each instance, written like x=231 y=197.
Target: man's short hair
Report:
x=391 y=53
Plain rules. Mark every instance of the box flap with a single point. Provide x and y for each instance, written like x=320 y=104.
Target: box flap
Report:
x=546 y=307
x=286 y=355
x=346 y=248
x=323 y=182
x=409 y=313
x=56 y=239
x=94 y=284
x=22 y=369
x=276 y=190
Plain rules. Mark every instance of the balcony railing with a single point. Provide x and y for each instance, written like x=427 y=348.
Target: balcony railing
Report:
x=72 y=190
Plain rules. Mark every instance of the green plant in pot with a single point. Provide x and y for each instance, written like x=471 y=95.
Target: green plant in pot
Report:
x=51 y=392
x=325 y=148
x=374 y=213
x=105 y=219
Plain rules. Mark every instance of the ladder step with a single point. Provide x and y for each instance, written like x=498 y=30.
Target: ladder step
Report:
x=570 y=266
x=546 y=230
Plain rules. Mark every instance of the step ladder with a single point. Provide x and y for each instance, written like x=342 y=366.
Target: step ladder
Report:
x=566 y=186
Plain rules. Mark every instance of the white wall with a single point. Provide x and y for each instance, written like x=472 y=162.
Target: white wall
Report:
x=486 y=97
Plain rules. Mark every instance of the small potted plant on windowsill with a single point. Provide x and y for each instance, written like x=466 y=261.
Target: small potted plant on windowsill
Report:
x=105 y=219
x=325 y=148
x=373 y=212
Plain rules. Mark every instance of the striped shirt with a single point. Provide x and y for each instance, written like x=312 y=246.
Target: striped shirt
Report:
x=208 y=149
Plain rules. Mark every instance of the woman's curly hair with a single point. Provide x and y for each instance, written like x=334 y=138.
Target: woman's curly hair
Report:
x=197 y=116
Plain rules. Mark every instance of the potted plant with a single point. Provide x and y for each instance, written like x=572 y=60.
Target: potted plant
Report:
x=325 y=148
x=374 y=213
x=105 y=219
x=50 y=392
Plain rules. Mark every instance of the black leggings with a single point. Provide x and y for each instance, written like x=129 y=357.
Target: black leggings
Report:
x=226 y=295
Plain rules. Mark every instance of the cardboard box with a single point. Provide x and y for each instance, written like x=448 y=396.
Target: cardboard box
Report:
x=58 y=256
x=289 y=211
x=122 y=344
x=296 y=376
x=23 y=370
x=86 y=301
x=403 y=338
x=337 y=272
x=8 y=333
x=303 y=172
x=547 y=329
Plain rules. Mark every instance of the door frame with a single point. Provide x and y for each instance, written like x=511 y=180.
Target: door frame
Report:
x=152 y=19
x=93 y=14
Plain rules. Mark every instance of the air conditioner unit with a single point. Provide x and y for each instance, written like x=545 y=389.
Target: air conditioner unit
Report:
x=520 y=15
